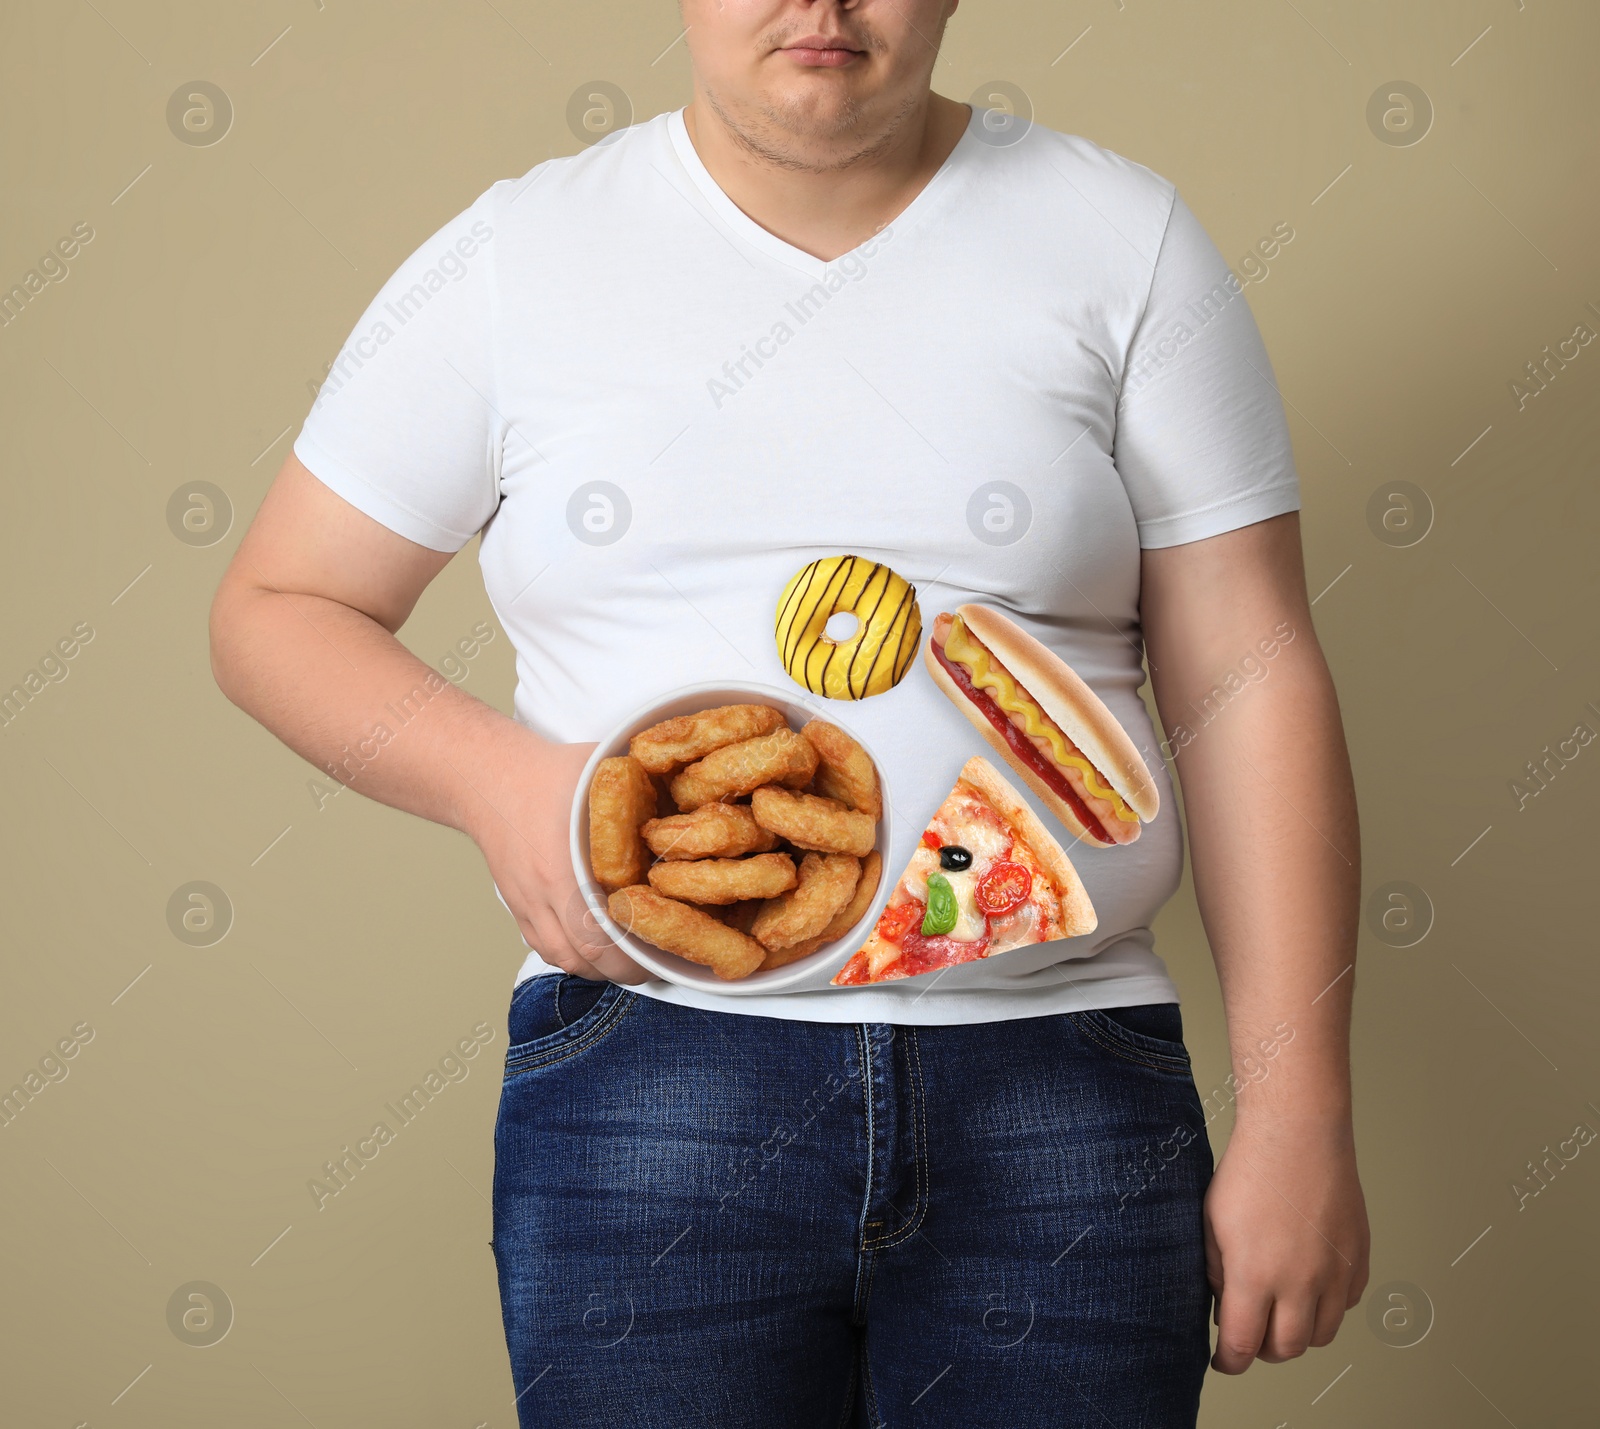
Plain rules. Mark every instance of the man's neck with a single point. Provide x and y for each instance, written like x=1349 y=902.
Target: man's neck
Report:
x=825 y=196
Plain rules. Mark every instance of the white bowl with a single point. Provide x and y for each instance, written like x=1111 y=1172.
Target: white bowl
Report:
x=669 y=966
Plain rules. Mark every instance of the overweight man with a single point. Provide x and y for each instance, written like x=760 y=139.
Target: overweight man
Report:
x=821 y=310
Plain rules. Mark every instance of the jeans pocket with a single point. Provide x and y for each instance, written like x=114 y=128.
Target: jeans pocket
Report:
x=1151 y=1034
x=554 y=1014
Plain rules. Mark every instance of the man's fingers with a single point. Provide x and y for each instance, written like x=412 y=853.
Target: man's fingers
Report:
x=547 y=934
x=618 y=967
x=1330 y=1315
x=585 y=935
x=1214 y=1272
x=614 y=965
x=1358 y=1284
x=555 y=950
x=1288 y=1328
x=1241 y=1327
x=571 y=939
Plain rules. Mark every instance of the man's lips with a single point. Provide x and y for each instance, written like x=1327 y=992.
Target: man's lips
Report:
x=819 y=51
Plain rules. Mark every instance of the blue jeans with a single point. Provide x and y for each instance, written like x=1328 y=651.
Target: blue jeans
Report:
x=718 y=1219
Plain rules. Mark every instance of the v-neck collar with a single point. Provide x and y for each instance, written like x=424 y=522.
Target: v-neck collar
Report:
x=769 y=243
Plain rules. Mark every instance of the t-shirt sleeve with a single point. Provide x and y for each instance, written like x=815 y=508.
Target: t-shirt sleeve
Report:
x=405 y=426
x=1202 y=445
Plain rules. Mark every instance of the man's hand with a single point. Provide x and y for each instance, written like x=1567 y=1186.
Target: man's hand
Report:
x=303 y=638
x=523 y=836
x=1286 y=1241
x=1269 y=804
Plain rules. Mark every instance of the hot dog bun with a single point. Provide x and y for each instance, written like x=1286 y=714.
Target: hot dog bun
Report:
x=1063 y=696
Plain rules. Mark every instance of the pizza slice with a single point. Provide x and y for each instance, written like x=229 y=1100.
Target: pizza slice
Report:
x=987 y=877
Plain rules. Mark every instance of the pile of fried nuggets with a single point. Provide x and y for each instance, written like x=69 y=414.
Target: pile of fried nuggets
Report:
x=729 y=839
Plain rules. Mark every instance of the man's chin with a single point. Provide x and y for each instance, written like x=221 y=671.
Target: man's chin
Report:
x=814 y=112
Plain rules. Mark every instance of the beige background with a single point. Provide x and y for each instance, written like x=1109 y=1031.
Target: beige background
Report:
x=364 y=943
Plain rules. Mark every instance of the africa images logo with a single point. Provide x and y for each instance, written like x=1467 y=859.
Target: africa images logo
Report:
x=53 y=267
x=450 y=266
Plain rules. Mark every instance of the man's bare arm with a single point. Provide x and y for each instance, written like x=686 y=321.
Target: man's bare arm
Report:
x=1253 y=722
x=303 y=639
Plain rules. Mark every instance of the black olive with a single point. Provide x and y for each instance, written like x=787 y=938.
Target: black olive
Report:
x=954 y=858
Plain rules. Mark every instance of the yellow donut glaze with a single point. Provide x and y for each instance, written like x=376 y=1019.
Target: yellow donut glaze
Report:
x=880 y=652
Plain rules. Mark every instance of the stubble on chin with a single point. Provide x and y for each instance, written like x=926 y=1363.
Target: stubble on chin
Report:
x=810 y=134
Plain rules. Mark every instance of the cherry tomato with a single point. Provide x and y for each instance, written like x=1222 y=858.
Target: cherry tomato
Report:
x=1003 y=889
x=896 y=920
x=932 y=840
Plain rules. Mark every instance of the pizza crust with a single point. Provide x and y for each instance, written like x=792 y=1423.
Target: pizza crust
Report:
x=1077 y=912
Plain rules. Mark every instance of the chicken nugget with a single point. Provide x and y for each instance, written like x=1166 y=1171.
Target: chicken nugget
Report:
x=782 y=957
x=714 y=831
x=741 y=915
x=825 y=884
x=842 y=922
x=621 y=799
x=846 y=771
x=690 y=933
x=735 y=769
x=861 y=900
x=665 y=808
x=810 y=821
x=676 y=742
x=724 y=880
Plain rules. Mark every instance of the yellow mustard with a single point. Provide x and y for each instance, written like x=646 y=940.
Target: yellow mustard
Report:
x=961 y=647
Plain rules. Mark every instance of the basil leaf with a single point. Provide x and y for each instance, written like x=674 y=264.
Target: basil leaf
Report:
x=943 y=911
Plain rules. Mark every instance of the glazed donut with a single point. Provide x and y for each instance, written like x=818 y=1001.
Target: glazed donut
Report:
x=880 y=652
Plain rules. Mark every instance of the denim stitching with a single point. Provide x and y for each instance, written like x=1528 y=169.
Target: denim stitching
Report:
x=1138 y=1057
x=862 y=1247
x=919 y=1141
x=527 y=985
x=919 y=1135
x=1127 y=1037
x=602 y=1024
x=1095 y=1035
x=524 y=1059
x=608 y=1020
x=866 y=1099
x=866 y=1295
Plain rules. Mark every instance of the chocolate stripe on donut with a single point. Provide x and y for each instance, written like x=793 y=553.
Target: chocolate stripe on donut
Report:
x=895 y=634
x=908 y=648
x=828 y=599
x=848 y=569
x=866 y=621
x=796 y=626
x=802 y=619
x=890 y=629
x=876 y=656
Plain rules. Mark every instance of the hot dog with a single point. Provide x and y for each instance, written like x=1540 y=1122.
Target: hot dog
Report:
x=1045 y=722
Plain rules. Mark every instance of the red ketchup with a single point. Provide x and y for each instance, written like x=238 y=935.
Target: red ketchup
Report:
x=1023 y=747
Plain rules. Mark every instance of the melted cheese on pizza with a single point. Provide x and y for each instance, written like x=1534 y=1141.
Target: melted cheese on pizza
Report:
x=968 y=819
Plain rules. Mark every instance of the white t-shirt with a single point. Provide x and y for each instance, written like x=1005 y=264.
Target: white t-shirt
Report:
x=657 y=412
